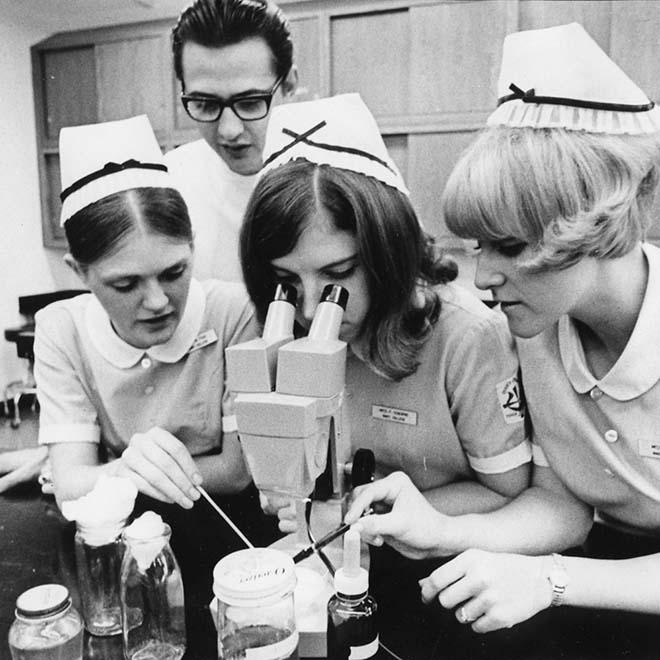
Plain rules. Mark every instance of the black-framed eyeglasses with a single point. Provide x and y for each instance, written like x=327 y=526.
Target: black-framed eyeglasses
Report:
x=247 y=108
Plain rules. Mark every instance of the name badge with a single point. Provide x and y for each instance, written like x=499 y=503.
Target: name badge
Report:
x=649 y=448
x=203 y=339
x=397 y=415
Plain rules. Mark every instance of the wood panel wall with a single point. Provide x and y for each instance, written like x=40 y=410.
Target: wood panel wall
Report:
x=426 y=68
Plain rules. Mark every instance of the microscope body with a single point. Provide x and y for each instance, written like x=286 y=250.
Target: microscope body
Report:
x=289 y=396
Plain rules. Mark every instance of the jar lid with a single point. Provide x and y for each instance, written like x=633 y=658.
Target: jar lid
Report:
x=44 y=600
x=248 y=577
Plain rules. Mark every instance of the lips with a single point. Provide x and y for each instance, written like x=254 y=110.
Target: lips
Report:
x=157 y=320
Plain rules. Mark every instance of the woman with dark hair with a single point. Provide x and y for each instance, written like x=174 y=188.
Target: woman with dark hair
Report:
x=131 y=376
x=431 y=379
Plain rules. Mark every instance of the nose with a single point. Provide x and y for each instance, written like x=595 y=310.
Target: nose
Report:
x=229 y=125
x=154 y=297
x=488 y=275
x=309 y=294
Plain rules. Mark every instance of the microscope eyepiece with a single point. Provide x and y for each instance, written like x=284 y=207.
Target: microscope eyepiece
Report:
x=286 y=292
x=335 y=293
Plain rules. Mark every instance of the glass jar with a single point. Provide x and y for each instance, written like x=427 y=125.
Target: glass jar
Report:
x=47 y=626
x=255 y=613
x=99 y=551
x=152 y=604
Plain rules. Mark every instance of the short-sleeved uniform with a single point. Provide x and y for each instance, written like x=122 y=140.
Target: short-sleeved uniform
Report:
x=601 y=437
x=460 y=412
x=216 y=198
x=94 y=387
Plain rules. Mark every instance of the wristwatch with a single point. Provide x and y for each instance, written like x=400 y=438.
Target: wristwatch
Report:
x=558 y=579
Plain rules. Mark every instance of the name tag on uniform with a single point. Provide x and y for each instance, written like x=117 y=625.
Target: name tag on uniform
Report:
x=203 y=339
x=397 y=415
x=649 y=448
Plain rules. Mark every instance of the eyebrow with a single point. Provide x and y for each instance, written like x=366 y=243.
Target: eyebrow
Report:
x=334 y=264
x=214 y=97
x=109 y=279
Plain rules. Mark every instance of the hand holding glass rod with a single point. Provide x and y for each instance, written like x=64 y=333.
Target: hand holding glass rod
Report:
x=322 y=542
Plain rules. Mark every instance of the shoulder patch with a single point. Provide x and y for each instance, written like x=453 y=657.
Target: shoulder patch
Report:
x=511 y=400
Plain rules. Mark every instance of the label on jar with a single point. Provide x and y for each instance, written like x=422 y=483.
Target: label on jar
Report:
x=364 y=651
x=282 y=649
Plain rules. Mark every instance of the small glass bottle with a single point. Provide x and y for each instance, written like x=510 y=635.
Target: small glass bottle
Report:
x=352 y=622
x=152 y=604
x=99 y=552
x=47 y=626
x=255 y=617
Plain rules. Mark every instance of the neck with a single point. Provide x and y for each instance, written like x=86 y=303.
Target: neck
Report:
x=607 y=319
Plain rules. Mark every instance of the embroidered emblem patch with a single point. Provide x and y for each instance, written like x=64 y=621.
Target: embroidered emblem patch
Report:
x=388 y=414
x=511 y=400
x=203 y=339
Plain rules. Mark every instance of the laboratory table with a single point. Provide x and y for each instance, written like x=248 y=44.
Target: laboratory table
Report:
x=36 y=546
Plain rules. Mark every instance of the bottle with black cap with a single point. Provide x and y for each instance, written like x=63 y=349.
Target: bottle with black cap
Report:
x=352 y=623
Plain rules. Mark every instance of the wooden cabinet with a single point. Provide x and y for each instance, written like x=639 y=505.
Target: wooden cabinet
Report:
x=426 y=68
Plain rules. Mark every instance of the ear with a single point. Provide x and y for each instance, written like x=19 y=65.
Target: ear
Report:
x=76 y=267
x=290 y=83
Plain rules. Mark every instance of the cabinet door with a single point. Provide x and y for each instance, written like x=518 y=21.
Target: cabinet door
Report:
x=134 y=78
x=67 y=83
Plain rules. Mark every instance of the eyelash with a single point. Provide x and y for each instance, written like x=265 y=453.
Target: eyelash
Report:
x=167 y=276
x=341 y=275
x=508 y=250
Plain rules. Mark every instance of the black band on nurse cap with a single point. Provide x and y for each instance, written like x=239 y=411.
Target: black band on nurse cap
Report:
x=107 y=169
x=529 y=96
x=304 y=137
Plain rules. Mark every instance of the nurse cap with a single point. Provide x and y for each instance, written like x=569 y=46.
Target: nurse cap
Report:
x=97 y=160
x=559 y=77
x=339 y=131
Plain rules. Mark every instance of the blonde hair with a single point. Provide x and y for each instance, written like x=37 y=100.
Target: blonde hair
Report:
x=568 y=194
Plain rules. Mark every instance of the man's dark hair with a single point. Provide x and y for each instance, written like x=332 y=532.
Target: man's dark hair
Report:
x=218 y=23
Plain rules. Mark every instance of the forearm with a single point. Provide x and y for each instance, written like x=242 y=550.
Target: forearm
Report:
x=464 y=497
x=625 y=584
x=536 y=522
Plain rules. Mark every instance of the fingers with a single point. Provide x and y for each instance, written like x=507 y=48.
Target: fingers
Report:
x=162 y=467
x=449 y=581
x=384 y=490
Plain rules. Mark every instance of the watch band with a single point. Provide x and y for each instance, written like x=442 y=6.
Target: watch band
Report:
x=558 y=579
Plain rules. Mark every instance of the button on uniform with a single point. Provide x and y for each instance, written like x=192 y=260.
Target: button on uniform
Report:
x=149 y=389
x=611 y=436
x=145 y=362
x=596 y=393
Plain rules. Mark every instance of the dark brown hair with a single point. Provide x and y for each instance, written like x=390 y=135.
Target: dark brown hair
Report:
x=399 y=259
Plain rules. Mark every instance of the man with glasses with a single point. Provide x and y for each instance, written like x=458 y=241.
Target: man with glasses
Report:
x=234 y=60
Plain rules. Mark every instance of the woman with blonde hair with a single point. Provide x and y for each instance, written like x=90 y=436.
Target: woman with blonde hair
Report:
x=558 y=192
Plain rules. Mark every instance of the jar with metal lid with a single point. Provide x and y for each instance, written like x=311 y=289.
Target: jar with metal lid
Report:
x=255 y=613
x=47 y=626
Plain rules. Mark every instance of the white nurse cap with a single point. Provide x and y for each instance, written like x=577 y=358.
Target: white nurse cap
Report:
x=559 y=77
x=339 y=131
x=97 y=160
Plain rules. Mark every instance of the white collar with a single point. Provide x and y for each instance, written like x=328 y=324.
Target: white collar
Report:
x=116 y=351
x=638 y=367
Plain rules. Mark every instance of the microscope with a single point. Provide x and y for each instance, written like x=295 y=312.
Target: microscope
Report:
x=289 y=396
x=292 y=426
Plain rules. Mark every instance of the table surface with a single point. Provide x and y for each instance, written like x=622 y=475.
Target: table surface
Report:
x=36 y=547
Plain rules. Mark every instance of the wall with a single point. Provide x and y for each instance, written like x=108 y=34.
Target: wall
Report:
x=26 y=266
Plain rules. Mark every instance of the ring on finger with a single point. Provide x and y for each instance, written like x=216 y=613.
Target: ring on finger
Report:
x=462 y=615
